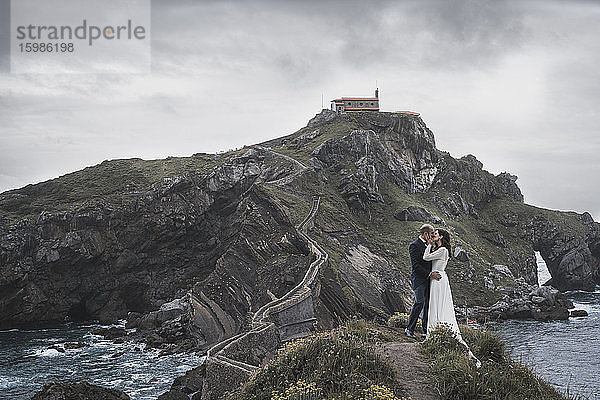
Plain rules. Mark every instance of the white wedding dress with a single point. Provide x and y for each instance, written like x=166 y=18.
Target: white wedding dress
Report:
x=441 y=305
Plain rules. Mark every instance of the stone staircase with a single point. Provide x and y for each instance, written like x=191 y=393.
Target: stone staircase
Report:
x=231 y=362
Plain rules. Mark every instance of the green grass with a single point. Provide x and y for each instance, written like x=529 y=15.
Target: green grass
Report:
x=337 y=364
x=499 y=377
x=341 y=364
x=110 y=182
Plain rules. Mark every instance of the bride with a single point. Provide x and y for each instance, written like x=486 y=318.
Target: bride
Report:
x=441 y=306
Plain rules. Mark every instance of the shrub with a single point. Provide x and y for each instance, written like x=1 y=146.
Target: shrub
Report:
x=400 y=320
x=498 y=378
x=298 y=391
x=376 y=392
x=336 y=364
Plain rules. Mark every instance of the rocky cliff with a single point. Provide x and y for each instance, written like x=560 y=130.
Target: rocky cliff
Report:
x=128 y=236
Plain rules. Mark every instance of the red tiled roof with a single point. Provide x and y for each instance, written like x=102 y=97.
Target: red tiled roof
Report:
x=357 y=98
x=407 y=112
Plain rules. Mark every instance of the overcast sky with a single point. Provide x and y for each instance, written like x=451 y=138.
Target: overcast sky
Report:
x=515 y=83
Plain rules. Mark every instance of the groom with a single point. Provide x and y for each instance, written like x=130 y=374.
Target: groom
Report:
x=419 y=277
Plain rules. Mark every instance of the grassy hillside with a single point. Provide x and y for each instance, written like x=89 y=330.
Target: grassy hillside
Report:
x=343 y=364
x=111 y=182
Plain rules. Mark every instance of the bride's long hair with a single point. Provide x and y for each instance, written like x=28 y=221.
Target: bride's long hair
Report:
x=445 y=240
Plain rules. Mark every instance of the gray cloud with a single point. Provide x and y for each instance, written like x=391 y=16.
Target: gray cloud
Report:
x=513 y=82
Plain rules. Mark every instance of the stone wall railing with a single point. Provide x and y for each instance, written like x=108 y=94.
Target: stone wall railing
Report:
x=231 y=362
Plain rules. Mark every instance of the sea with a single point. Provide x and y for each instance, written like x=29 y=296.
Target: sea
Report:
x=71 y=353
x=565 y=353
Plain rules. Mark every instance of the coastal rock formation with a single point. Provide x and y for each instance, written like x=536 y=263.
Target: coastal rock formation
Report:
x=528 y=302
x=475 y=186
x=187 y=385
x=572 y=261
x=398 y=149
x=188 y=248
x=101 y=261
x=82 y=390
x=373 y=281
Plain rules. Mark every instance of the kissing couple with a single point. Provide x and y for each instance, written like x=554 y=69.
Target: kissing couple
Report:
x=429 y=255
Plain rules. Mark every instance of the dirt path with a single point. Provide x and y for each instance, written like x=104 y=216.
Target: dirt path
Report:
x=411 y=370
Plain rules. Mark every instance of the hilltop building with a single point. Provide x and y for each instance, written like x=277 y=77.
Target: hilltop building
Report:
x=344 y=104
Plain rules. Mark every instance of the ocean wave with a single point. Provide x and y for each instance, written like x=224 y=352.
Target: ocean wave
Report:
x=47 y=353
x=7 y=382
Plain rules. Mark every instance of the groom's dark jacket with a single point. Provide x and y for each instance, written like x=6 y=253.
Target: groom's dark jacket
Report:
x=419 y=273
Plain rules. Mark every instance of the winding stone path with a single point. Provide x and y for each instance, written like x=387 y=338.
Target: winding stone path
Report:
x=260 y=320
x=411 y=371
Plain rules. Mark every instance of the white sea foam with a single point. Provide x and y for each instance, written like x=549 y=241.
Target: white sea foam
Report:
x=48 y=353
x=7 y=382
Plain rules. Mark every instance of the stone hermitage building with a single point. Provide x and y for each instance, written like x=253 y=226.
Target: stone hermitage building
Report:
x=344 y=104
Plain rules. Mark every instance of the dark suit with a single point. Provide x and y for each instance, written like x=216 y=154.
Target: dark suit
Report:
x=419 y=277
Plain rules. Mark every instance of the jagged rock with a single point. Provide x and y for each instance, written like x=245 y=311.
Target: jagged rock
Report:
x=110 y=333
x=452 y=207
x=372 y=279
x=391 y=146
x=173 y=395
x=321 y=118
x=155 y=340
x=460 y=254
x=413 y=213
x=495 y=238
x=438 y=221
x=305 y=138
x=507 y=185
x=527 y=302
x=187 y=385
x=578 y=313
x=167 y=311
x=360 y=188
x=573 y=261
x=476 y=186
x=502 y=272
x=508 y=221
x=78 y=391
x=393 y=301
x=191 y=382
x=586 y=218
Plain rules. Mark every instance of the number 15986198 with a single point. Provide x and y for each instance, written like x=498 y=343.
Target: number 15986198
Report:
x=46 y=47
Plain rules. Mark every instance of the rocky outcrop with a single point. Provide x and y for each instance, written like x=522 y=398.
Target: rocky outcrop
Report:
x=321 y=118
x=392 y=147
x=474 y=186
x=79 y=391
x=268 y=254
x=528 y=302
x=222 y=236
x=578 y=313
x=573 y=260
x=460 y=254
x=187 y=385
x=373 y=280
x=413 y=213
x=101 y=261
